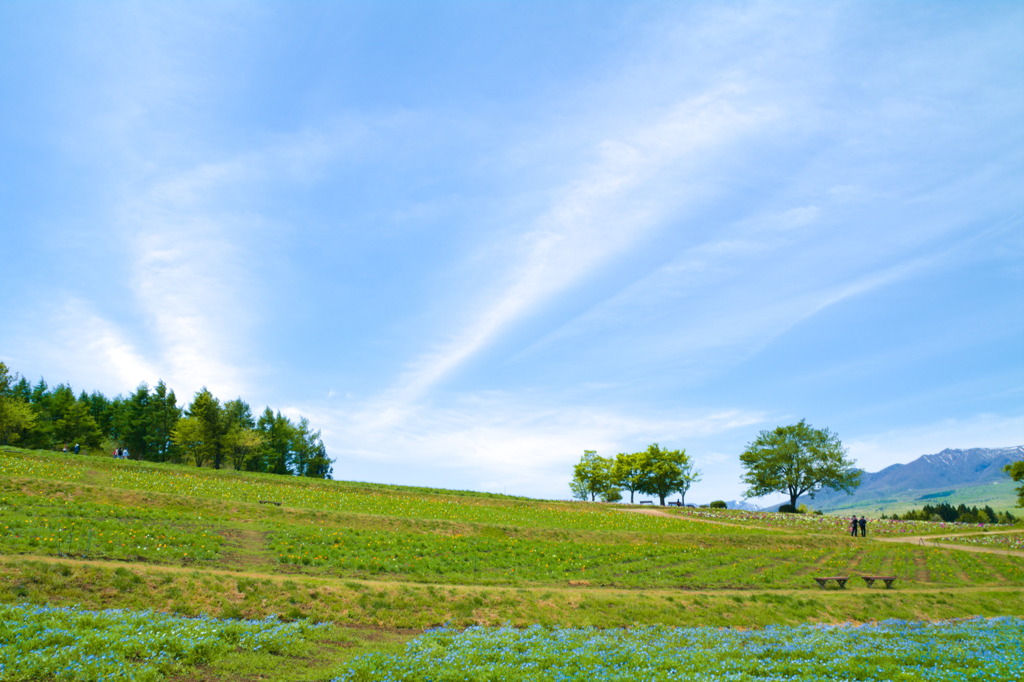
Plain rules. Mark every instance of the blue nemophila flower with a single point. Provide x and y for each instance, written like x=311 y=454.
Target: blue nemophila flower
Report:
x=38 y=642
x=880 y=651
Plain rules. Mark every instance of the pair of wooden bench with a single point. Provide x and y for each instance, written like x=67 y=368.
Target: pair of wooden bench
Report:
x=840 y=580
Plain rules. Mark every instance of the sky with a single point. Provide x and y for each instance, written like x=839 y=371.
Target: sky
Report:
x=470 y=240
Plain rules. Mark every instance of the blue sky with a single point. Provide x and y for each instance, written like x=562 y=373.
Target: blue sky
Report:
x=470 y=240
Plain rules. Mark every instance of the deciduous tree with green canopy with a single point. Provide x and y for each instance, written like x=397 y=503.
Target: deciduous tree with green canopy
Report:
x=665 y=472
x=1016 y=471
x=16 y=415
x=189 y=437
x=795 y=460
x=628 y=472
x=690 y=476
x=592 y=476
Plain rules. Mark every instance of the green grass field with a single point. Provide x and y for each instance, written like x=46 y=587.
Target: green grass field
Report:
x=374 y=566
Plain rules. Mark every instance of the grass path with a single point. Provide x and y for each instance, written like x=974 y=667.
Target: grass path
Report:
x=921 y=540
x=342 y=581
x=658 y=512
x=926 y=541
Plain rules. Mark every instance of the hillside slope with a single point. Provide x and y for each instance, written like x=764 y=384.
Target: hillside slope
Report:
x=377 y=564
x=104 y=532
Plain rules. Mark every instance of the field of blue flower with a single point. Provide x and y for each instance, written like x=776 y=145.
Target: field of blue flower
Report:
x=978 y=649
x=68 y=643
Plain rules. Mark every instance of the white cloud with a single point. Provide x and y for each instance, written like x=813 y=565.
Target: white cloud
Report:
x=75 y=341
x=636 y=182
x=502 y=442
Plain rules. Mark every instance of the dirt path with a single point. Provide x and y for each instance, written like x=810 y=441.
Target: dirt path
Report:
x=980 y=533
x=329 y=581
x=921 y=540
x=658 y=512
x=931 y=541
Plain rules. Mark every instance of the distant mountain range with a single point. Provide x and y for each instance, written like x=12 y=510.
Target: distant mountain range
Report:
x=974 y=477
x=746 y=506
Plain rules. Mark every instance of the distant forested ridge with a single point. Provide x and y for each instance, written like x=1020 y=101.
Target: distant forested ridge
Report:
x=959 y=514
x=150 y=425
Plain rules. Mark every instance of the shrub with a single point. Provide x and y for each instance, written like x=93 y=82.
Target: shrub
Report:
x=718 y=504
x=787 y=509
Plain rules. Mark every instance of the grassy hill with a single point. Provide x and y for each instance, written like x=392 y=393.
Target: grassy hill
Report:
x=1000 y=495
x=376 y=565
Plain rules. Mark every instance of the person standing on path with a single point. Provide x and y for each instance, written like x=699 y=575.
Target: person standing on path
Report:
x=863 y=527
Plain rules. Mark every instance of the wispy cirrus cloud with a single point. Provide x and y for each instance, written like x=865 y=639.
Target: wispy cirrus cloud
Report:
x=81 y=342
x=180 y=230
x=637 y=180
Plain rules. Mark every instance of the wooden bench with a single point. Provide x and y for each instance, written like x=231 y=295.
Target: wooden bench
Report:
x=646 y=502
x=840 y=581
x=887 y=579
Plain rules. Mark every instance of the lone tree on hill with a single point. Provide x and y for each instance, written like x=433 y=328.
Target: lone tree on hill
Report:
x=795 y=460
x=1016 y=471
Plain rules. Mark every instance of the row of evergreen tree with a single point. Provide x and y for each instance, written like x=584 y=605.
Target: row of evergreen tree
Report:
x=950 y=514
x=151 y=426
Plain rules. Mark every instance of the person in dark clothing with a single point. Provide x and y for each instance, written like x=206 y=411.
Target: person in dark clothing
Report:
x=863 y=523
x=853 y=526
